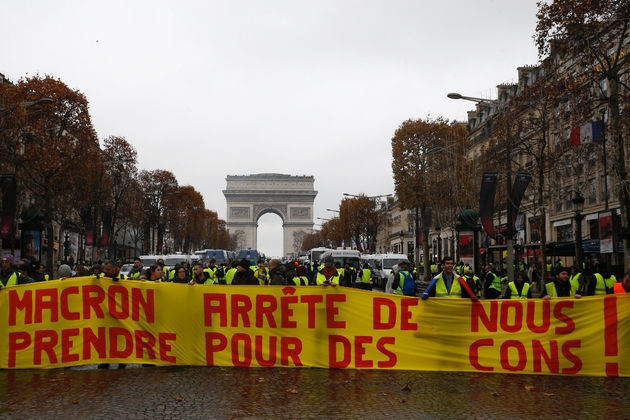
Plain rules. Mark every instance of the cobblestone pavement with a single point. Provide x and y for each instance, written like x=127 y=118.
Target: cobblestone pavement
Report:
x=261 y=393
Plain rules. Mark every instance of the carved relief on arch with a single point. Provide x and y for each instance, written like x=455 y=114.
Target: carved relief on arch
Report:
x=279 y=209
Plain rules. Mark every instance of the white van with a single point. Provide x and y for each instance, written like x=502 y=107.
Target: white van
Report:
x=383 y=264
x=343 y=256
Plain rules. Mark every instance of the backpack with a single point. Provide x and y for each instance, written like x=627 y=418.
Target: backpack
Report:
x=409 y=285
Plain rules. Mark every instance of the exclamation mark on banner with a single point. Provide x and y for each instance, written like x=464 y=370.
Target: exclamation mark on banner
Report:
x=610 y=334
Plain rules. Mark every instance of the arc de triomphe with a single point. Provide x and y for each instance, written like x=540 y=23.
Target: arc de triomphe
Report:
x=250 y=196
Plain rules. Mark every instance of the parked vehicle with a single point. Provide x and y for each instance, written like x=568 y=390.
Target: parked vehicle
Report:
x=382 y=265
x=125 y=269
x=343 y=256
x=251 y=254
x=147 y=260
x=171 y=260
x=220 y=256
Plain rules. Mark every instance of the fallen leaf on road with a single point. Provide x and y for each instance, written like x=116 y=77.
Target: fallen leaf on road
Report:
x=283 y=373
x=261 y=379
x=292 y=391
x=495 y=394
x=75 y=401
x=406 y=388
x=548 y=394
x=179 y=399
x=529 y=388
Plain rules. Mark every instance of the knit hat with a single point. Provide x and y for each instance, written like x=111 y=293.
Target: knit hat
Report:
x=64 y=270
x=244 y=263
x=9 y=258
x=300 y=271
x=559 y=270
x=24 y=267
x=329 y=261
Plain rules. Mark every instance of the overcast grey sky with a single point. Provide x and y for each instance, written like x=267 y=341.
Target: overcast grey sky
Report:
x=210 y=88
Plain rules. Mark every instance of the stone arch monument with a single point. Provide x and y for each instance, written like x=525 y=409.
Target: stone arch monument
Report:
x=250 y=196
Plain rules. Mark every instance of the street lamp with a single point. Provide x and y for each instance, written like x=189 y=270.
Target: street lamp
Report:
x=578 y=203
x=321 y=218
x=402 y=242
x=42 y=101
x=336 y=211
x=438 y=229
x=508 y=152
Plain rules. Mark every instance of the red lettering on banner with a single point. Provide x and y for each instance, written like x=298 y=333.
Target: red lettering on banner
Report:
x=123 y=303
x=266 y=305
x=246 y=341
x=611 y=342
x=473 y=353
x=478 y=313
x=45 y=342
x=406 y=314
x=64 y=305
x=18 y=341
x=93 y=302
x=98 y=341
x=522 y=355
x=240 y=305
x=127 y=348
x=551 y=358
x=290 y=348
x=16 y=304
x=332 y=310
x=67 y=344
x=391 y=356
x=566 y=352
x=214 y=303
x=360 y=342
x=346 y=354
x=359 y=352
x=557 y=313
x=148 y=304
x=546 y=317
x=46 y=299
x=144 y=341
x=215 y=342
x=378 y=304
x=311 y=301
x=286 y=312
x=505 y=316
x=165 y=346
x=271 y=350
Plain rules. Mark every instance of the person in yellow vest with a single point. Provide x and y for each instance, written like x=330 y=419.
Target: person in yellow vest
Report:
x=493 y=283
x=448 y=284
x=473 y=280
x=602 y=282
x=300 y=276
x=230 y=272
x=518 y=289
x=96 y=271
x=560 y=286
x=111 y=270
x=366 y=276
x=200 y=275
x=623 y=286
x=261 y=274
x=328 y=275
x=577 y=279
x=211 y=270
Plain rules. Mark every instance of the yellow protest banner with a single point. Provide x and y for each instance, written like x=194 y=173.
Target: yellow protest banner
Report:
x=87 y=320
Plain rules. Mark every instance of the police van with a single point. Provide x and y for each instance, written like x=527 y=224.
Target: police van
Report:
x=343 y=256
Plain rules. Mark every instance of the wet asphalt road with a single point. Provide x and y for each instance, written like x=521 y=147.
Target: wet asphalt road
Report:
x=272 y=393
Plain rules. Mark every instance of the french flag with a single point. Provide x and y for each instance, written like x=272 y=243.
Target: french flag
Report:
x=592 y=132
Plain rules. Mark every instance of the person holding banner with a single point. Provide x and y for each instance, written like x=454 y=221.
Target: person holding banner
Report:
x=560 y=286
x=111 y=270
x=623 y=286
x=245 y=276
x=9 y=275
x=200 y=276
x=328 y=275
x=448 y=284
x=518 y=289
